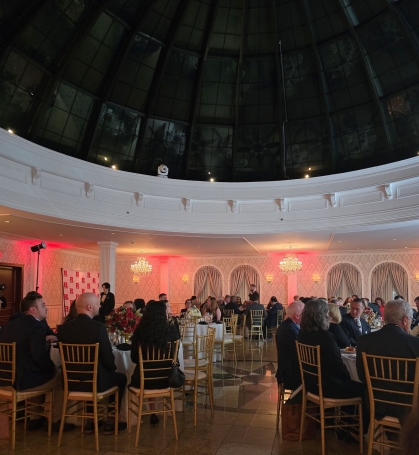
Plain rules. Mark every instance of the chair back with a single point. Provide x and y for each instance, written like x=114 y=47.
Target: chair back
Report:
x=230 y=325
x=256 y=318
x=79 y=363
x=310 y=367
x=279 y=317
x=204 y=347
x=7 y=364
x=155 y=364
x=188 y=331
x=391 y=380
x=227 y=313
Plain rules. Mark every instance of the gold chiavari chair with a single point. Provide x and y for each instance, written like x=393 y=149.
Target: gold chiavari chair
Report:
x=154 y=364
x=256 y=324
x=188 y=333
x=80 y=367
x=310 y=367
x=390 y=382
x=11 y=399
x=279 y=319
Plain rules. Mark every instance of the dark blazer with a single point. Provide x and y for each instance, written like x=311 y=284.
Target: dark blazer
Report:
x=343 y=310
x=340 y=337
x=374 y=307
x=337 y=381
x=84 y=330
x=288 y=370
x=106 y=306
x=272 y=314
x=233 y=306
x=390 y=341
x=351 y=329
x=48 y=330
x=254 y=306
x=34 y=366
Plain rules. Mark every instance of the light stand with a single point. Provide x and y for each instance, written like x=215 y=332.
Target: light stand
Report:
x=37 y=249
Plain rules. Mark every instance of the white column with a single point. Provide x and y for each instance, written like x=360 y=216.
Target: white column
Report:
x=164 y=277
x=107 y=263
x=34 y=260
x=291 y=287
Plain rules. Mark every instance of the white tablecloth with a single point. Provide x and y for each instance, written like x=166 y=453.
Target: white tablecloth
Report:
x=350 y=361
x=202 y=329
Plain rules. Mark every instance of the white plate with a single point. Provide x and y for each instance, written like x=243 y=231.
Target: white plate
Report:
x=344 y=351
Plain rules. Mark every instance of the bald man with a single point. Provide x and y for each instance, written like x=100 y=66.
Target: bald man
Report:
x=85 y=330
x=287 y=333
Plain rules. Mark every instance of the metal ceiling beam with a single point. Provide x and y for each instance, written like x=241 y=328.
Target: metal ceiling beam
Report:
x=368 y=71
x=323 y=85
x=198 y=83
x=112 y=76
x=158 y=76
x=237 y=97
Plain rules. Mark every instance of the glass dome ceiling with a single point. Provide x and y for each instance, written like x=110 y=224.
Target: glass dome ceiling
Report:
x=234 y=90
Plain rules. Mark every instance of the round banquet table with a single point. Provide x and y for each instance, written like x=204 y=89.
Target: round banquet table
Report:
x=349 y=359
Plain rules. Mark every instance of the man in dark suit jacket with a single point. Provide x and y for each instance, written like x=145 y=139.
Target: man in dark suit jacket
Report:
x=352 y=323
x=34 y=367
x=84 y=330
x=288 y=370
x=254 y=305
x=232 y=305
x=393 y=340
x=107 y=302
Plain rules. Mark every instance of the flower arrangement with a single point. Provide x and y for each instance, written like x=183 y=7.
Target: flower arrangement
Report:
x=123 y=320
x=193 y=313
x=368 y=314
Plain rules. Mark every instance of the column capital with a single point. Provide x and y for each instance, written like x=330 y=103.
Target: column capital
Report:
x=111 y=245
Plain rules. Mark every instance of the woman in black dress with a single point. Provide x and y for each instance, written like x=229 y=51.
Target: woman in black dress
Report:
x=335 y=329
x=154 y=330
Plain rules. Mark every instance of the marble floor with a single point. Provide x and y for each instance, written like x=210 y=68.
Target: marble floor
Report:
x=244 y=422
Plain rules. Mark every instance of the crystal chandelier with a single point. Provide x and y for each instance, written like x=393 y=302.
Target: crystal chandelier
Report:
x=290 y=264
x=141 y=267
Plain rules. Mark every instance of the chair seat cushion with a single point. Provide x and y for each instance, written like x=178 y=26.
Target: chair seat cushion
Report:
x=334 y=402
x=226 y=340
x=150 y=391
x=190 y=363
x=187 y=343
x=190 y=375
x=80 y=396
x=388 y=420
x=7 y=392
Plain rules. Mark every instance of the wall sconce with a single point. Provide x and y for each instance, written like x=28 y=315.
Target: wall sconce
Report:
x=269 y=278
x=316 y=277
x=417 y=276
x=135 y=279
x=185 y=278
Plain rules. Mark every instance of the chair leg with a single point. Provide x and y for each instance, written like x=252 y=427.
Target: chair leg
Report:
x=60 y=434
x=51 y=400
x=140 y=409
x=361 y=430
x=116 y=411
x=95 y=416
x=322 y=429
x=371 y=434
x=195 y=399
x=128 y=408
x=14 y=415
x=278 y=406
x=303 y=417
x=172 y=403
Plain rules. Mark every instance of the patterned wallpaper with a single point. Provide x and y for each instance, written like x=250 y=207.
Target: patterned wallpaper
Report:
x=20 y=254
x=148 y=288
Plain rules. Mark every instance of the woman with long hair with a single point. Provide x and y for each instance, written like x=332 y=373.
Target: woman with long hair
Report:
x=153 y=331
x=334 y=328
x=380 y=302
x=214 y=309
x=72 y=314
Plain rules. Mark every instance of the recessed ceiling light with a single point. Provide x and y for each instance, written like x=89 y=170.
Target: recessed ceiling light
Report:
x=209 y=173
x=7 y=221
x=307 y=176
x=211 y=180
x=309 y=168
x=113 y=167
x=10 y=131
x=106 y=159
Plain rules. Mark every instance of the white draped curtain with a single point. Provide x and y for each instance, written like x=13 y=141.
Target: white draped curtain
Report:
x=241 y=279
x=207 y=282
x=387 y=280
x=343 y=280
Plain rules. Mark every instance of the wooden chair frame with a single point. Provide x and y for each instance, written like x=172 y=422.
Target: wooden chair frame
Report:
x=279 y=320
x=201 y=376
x=221 y=344
x=310 y=364
x=76 y=358
x=256 y=324
x=164 y=396
x=281 y=395
x=380 y=372
x=10 y=398
x=188 y=333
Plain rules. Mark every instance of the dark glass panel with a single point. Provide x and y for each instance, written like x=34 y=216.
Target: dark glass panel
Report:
x=116 y=137
x=64 y=125
x=308 y=148
x=363 y=10
x=175 y=92
x=126 y=10
x=211 y=154
x=258 y=153
x=48 y=35
x=360 y=140
x=327 y=19
x=410 y=9
x=387 y=49
x=10 y=11
x=22 y=86
x=302 y=87
x=164 y=144
x=402 y=113
x=259 y=28
x=293 y=29
x=156 y=23
x=136 y=73
x=258 y=92
x=94 y=57
x=217 y=97
x=345 y=76
x=191 y=32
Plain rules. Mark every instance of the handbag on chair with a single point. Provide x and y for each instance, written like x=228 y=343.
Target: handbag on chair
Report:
x=176 y=377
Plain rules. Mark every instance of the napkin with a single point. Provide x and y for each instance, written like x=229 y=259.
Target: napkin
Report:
x=123 y=347
x=203 y=323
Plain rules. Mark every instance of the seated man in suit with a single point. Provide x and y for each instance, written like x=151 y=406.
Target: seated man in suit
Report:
x=352 y=323
x=232 y=305
x=393 y=340
x=254 y=305
x=271 y=318
x=288 y=370
x=85 y=330
x=34 y=368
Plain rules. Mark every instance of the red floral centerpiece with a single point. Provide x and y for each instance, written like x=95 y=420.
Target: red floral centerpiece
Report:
x=123 y=320
x=368 y=314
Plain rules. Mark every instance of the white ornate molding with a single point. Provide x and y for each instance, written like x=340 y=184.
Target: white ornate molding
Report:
x=381 y=196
